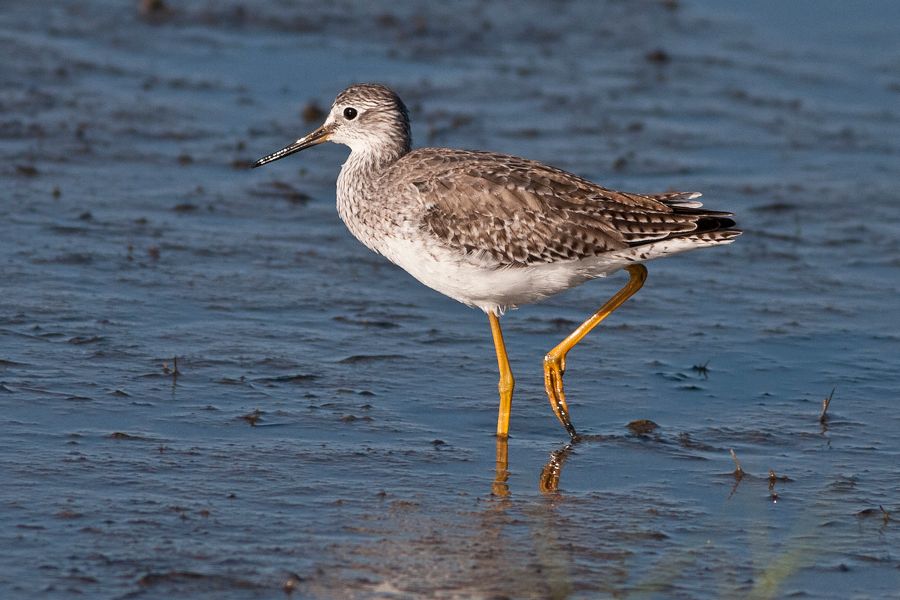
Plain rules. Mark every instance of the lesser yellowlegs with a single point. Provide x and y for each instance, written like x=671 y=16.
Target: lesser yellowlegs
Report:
x=495 y=231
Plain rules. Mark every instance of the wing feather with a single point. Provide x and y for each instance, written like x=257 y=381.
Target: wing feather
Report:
x=519 y=212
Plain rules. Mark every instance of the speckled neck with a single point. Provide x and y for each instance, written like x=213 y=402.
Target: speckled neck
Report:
x=367 y=214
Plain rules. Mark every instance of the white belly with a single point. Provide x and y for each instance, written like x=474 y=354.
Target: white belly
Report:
x=480 y=285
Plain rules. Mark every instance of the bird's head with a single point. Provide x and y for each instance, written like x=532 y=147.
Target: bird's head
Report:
x=367 y=117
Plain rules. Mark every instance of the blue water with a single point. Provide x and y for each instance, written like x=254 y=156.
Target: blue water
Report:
x=328 y=428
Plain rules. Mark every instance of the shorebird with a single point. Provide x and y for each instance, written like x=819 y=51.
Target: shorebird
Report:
x=495 y=231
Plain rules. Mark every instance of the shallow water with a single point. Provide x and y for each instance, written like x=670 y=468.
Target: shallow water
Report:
x=328 y=427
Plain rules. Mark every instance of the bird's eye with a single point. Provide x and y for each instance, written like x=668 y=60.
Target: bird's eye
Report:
x=349 y=113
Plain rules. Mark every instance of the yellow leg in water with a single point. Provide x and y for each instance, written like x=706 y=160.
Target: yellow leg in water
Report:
x=507 y=383
x=500 y=487
x=555 y=361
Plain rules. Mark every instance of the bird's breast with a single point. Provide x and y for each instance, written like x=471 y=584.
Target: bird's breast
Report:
x=372 y=219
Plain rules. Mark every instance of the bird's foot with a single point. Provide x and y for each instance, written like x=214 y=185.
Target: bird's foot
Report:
x=554 y=368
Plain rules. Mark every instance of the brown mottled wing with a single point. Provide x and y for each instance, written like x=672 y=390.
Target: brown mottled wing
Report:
x=517 y=212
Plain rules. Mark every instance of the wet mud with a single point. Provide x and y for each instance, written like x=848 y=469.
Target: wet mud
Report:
x=208 y=389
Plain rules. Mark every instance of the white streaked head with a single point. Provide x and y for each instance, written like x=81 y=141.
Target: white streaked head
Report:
x=368 y=117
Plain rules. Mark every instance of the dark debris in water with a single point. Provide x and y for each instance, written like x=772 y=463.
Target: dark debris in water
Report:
x=775 y=478
x=241 y=164
x=153 y=10
x=642 y=427
x=702 y=370
x=120 y=435
x=738 y=469
x=658 y=56
x=291 y=583
x=84 y=339
x=172 y=370
x=368 y=358
x=354 y=418
x=826 y=403
x=875 y=512
x=282 y=191
x=312 y=113
x=253 y=417
x=77 y=398
x=297 y=378
x=27 y=170
x=206 y=581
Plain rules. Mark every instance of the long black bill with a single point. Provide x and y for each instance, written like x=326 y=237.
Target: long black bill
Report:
x=316 y=137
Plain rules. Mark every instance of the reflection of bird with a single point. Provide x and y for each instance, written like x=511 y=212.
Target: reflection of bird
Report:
x=495 y=231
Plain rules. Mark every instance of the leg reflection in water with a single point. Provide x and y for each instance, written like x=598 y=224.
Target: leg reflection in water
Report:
x=549 y=482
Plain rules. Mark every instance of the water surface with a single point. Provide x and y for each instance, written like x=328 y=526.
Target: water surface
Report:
x=328 y=426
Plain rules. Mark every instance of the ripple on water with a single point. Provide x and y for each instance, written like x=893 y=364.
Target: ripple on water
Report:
x=327 y=428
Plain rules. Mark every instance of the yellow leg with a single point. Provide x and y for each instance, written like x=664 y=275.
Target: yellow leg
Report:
x=555 y=361
x=507 y=383
x=500 y=488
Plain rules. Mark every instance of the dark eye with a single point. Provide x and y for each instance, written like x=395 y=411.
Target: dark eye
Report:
x=349 y=113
